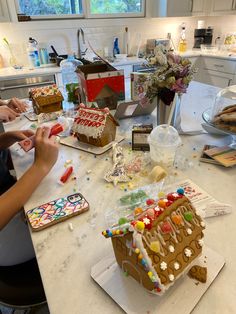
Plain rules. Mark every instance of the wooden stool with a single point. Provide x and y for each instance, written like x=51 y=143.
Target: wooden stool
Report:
x=21 y=285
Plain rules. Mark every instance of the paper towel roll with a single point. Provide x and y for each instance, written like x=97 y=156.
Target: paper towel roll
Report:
x=200 y=24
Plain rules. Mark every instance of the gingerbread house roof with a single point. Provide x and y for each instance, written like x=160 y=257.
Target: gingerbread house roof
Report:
x=92 y=121
x=161 y=242
x=46 y=95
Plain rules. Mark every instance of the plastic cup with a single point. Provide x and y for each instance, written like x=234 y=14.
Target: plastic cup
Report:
x=164 y=141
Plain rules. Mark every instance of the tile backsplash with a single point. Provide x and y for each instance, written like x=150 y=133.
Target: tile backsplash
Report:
x=62 y=34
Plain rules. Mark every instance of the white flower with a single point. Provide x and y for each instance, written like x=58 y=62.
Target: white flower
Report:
x=201 y=242
x=171 y=277
x=175 y=194
x=146 y=221
x=188 y=252
x=176 y=265
x=171 y=249
x=163 y=266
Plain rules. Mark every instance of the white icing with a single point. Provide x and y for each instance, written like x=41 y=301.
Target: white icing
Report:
x=171 y=249
x=189 y=231
x=163 y=266
x=171 y=277
x=176 y=265
x=188 y=252
x=203 y=224
x=175 y=194
x=201 y=242
x=90 y=122
x=139 y=244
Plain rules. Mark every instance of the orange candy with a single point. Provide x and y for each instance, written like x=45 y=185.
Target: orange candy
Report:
x=162 y=203
x=177 y=219
x=138 y=210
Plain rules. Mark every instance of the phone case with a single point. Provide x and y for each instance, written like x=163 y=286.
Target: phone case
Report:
x=56 y=211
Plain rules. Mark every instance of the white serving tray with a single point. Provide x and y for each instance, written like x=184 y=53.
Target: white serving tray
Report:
x=73 y=142
x=181 y=298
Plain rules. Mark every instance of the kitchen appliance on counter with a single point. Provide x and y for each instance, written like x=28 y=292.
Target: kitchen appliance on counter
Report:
x=19 y=87
x=152 y=43
x=202 y=36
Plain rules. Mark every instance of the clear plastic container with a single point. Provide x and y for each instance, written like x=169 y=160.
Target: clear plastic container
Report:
x=71 y=83
x=164 y=141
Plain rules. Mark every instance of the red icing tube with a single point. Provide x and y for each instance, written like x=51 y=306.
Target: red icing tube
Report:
x=66 y=174
x=28 y=143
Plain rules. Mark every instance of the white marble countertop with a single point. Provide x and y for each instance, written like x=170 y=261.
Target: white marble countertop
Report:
x=11 y=73
x=65 y=257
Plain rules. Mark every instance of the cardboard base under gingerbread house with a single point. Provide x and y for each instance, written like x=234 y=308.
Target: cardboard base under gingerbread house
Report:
x=134 y=299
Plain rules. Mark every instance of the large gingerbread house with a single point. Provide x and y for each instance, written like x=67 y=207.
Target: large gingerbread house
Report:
x=160 y=244
x=94 y=126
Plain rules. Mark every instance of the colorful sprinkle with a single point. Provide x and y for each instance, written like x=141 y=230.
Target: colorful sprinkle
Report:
x=140 y=226
x=166 y=227
x=122 y=221
x=155 y=246
x=180 y=191
x=177 y=219
x=137 y=251
x=161 y=194
x=150 y=202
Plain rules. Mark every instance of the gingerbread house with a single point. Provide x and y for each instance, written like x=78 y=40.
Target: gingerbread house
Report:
x=160 y=244
x=46 y=99
x=94 y=126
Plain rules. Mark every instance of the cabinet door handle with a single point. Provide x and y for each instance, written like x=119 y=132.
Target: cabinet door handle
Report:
x=229 y=82
x=219 y=65
x=2 y=89
x=191 y=5
x=233 y=5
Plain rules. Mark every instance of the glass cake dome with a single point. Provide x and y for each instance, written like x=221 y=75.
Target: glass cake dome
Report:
x=222 y=115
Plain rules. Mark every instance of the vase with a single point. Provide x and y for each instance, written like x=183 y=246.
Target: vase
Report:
x=169 y=114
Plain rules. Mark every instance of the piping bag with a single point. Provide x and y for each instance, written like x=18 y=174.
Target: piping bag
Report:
x=28 y=143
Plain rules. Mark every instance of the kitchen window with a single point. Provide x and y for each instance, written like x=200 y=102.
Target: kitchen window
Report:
x=50 y=8
x=115 y=8
x=54 y=9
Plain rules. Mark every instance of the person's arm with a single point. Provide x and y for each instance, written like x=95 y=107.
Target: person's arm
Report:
x=14 y=104
x=46 y=152
x=9 y=138
x=7 y=114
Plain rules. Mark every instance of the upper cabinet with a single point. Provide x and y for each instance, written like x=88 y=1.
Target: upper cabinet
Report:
x=4 y=12
x=168 y=8
x=223 y=7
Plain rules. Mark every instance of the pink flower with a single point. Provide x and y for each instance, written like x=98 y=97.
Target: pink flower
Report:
x=179 y=86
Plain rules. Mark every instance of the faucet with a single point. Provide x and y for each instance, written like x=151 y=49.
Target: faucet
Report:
x=80 y=53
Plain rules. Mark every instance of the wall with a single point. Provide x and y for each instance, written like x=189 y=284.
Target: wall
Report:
x=100 y=32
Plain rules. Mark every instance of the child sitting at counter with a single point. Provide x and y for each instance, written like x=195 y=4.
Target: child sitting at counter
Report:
x=15 y=243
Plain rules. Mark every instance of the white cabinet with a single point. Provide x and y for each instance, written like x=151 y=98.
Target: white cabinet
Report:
x=217 y=72
x=4 y=12
x=198 y=7
x=163 y=8
x=219 y=7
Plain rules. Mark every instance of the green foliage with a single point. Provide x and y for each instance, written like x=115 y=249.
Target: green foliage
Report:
x=48 y=7
x=115 y=6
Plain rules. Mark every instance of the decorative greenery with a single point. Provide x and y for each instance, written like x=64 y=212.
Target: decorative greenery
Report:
x=172 y=75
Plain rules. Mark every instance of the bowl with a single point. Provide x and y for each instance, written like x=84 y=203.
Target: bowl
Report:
x=209 y=48
x=121 y=56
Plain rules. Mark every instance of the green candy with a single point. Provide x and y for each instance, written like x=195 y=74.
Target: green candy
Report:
x=188 y=216
x=122 y=221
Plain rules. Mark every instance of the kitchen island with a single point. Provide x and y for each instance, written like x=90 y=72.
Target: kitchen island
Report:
x=65 y=256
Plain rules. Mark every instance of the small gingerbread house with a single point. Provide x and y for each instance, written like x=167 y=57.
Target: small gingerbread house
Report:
x=94 y=126
x=107 y=98
x=160 y=244
x=46 y=99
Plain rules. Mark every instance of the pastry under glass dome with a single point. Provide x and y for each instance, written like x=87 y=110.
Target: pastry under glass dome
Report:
x=222 y=115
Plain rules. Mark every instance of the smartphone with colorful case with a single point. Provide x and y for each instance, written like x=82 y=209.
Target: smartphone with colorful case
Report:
x=56 y=211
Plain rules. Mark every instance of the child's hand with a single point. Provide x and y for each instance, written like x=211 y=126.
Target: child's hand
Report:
x=46 y=149
x=7 y=114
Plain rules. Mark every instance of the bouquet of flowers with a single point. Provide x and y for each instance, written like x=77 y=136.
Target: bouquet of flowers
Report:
x=172 y=75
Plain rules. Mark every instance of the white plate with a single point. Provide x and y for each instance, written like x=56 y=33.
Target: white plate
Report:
x=73 y=142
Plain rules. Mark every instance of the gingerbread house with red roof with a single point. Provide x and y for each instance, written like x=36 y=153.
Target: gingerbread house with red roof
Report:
x=161 y=243
x=94 y=126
